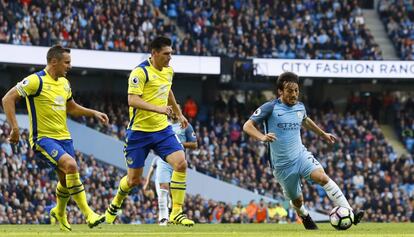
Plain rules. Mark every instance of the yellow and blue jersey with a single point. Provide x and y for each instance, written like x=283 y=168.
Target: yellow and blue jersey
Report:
x=46 y=104
x=153 y=86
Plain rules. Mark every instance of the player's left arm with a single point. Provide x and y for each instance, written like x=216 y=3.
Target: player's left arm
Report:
x=173 y=103
x=309 y=124
x=77 y=110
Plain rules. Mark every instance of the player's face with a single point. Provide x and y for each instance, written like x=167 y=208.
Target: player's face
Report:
x=290 y=93
x=63 y=65
x=163 y=56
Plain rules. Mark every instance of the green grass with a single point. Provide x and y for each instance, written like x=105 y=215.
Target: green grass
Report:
x=260 y=230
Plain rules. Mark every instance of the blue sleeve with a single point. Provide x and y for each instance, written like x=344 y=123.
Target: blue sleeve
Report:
x=305 y=115
x=189 y=134
x=263 y=112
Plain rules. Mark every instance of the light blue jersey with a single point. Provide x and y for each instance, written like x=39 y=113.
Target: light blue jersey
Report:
x=286 y=122
x=185 y=135
x=289 y=157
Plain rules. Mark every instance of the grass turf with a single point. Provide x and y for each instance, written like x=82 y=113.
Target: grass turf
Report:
x=261 y=230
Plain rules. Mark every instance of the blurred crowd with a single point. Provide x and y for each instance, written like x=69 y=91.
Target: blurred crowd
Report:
x=308 y=29
x=398 y=19
x=126 y=25
x=313 y=29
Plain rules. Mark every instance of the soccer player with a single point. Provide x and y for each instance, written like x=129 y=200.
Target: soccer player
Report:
x=48 y=99
x=164 y=170
x=283 y=118
x=151 y=100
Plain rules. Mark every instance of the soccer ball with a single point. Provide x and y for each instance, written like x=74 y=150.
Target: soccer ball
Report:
x=341 y=218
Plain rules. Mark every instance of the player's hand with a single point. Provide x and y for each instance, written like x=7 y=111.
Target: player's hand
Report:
x=103 y=118
x=329 y=138
x=14 y=136
x=269 y=137
x=167 y=110
x=183 y=121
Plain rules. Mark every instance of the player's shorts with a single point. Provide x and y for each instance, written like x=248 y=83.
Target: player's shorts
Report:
x=138 y=144
x=289 y=177
x=49 y=150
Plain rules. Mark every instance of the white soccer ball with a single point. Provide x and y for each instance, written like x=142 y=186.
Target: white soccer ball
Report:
x=341 y=218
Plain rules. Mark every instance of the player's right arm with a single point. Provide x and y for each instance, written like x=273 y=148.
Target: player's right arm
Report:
x=136 y=84
x=26 y=87
x=259 y=116
x=9 y=106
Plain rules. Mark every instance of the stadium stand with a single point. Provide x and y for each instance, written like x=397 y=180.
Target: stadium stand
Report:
x=273 y=29
x=307 y=29
x=398 y=17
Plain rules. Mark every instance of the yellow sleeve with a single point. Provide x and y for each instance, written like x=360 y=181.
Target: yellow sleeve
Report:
x=28 y=86
x=69 y=90
x=136 y=81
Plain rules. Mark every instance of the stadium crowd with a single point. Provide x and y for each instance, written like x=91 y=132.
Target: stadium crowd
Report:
x=398 y=19
x=273 y=29
x=302 y=29
x=405 y=122
x=98 y=25
x=362 y=163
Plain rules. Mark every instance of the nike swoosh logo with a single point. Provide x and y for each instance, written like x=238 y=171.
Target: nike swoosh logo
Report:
x=279 y=114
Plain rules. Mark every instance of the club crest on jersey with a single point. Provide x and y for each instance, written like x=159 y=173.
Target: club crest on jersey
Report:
x=129 y=160
x=54 y=153
x=300 y=114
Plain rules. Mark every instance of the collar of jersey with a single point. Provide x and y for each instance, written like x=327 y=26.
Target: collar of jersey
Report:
x=49 y=77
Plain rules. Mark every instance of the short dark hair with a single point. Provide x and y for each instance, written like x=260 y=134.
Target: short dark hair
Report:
x=159 y=42
x=56 y=51
x=286 y=77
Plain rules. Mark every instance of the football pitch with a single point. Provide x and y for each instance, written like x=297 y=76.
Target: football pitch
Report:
x=261 y=230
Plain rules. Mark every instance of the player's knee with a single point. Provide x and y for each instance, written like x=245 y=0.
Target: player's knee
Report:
x=180 y=166
x=297 y=202
x=133 y=181
x=321 y=179
x=70 y=166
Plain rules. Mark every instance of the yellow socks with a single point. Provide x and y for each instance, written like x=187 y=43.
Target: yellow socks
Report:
x=178 y=186
x=123 y=191
x=62 y=198
x=77 y=191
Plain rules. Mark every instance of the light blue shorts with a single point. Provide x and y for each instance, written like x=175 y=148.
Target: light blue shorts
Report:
x=289 y=177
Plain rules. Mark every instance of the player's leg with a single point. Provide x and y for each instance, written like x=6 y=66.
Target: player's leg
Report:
x=170 y=149
x=300 y=209
x=163 y=204
x=313 y=170
x=178 y=187
x=75 y=185
x=77 y=191
x=289 y=180
x=163 y=174
x=127 y=183
x=135 y=154
x=58 y=213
